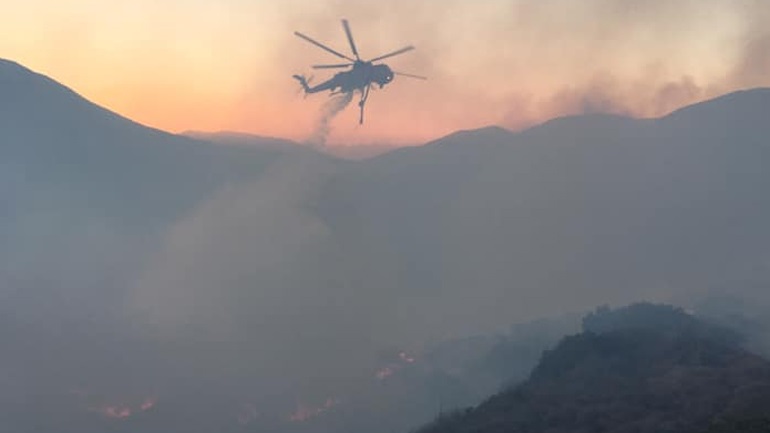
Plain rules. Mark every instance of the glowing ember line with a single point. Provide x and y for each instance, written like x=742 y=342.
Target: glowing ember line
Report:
x=114 y=412
x=148 y=404
x=119 y=411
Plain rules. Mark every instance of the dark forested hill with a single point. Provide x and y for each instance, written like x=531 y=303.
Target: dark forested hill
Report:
x=645 y=369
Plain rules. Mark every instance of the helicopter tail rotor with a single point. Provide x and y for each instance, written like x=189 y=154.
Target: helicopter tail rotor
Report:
x=303 y=82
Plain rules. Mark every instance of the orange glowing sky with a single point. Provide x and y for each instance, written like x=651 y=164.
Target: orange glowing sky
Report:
x=226 y=64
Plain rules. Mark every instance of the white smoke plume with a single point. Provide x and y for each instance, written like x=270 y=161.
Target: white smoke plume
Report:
x=329 y=111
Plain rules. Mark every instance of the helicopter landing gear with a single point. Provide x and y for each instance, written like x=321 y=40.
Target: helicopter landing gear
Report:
x=364 y=97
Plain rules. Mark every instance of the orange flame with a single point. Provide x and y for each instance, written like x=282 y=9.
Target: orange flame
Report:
x=391 y=369
x=148 y=403
x=384 y=373
x=121 y=411
x=304 y=413
x=406 y=358
x=248 y=414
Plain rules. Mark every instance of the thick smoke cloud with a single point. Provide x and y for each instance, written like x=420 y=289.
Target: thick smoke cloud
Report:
x=518 y=63
x=329 y=110
x=753 y=66
x=255 y=270
x=279 y=296
x=245 y=266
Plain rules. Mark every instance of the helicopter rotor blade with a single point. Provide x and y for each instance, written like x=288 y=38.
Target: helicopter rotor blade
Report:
x=350 y=38
x=323 y=47
x=404 y=74
x=394 y=53
x=341 y=65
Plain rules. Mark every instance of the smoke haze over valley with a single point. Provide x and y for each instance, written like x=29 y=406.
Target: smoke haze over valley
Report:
x=228 y=282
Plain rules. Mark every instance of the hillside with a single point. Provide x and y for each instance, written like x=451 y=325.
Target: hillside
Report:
x=55 y=142
x=86 y=191
x=679 y=375
x=213 y=278
x=573 y=209
x=94 y=206
x=350 y=151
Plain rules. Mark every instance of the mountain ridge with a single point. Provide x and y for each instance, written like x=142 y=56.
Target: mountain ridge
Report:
x=756 y=96
x=16 y=78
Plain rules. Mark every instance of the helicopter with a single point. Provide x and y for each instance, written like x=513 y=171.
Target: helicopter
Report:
x=361 y=77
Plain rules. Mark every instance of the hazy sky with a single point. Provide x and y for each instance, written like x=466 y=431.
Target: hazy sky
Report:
x=227 y=64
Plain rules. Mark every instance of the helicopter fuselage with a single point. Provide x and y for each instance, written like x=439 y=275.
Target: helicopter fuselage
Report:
x=362 y=75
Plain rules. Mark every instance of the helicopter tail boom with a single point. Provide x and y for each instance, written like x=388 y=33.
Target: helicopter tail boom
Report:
x=303 y=82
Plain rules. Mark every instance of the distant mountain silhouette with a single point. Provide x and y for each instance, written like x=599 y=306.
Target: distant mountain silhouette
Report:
x=351 y=151
x=574 y=209
x=69 y=143
x=77 y=177
x=251 y=140
x=647 y=369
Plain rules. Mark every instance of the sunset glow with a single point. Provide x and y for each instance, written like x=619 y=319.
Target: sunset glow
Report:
x=226 y=65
